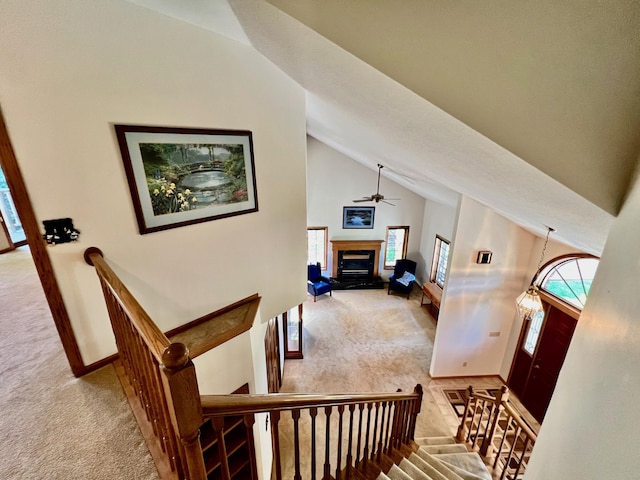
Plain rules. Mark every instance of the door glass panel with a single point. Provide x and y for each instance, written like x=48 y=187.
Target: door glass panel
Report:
x=533 y=333
x=9 y=213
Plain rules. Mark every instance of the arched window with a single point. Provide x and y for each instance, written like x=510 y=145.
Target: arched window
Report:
x=569 y=278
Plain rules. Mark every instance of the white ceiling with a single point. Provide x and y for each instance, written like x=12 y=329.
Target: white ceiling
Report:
x=373 y=118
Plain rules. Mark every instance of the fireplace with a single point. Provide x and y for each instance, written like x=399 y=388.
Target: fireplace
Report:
x=355 y=259
x=356 y=264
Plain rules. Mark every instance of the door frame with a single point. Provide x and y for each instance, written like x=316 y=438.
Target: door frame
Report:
x=41 y=258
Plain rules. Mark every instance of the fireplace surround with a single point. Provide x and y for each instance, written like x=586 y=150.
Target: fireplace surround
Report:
x=355 y=264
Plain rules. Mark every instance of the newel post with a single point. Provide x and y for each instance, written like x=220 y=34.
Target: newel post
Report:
x=486 y=449
x=185 y=409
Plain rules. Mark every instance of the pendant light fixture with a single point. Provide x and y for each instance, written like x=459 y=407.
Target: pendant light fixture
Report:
x=529 y=302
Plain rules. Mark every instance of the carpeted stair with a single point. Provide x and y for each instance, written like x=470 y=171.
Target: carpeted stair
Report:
x=439 y=458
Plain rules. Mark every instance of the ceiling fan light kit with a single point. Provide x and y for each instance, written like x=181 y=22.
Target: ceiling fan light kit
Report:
x=376 y=197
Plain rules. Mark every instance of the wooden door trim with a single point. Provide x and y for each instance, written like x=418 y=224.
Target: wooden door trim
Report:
x=12 y=246
x=39 y=251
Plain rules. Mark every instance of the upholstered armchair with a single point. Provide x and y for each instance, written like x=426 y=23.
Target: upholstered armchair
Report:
x=403 y=277
x=316 y=283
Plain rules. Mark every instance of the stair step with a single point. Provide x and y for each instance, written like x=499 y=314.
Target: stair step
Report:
x=414 y=472
x=452 y=448
x=470 y=463
x=396 y=473
x=430 y=470
x=450 y=472
x=382 y=476
x=435 y=440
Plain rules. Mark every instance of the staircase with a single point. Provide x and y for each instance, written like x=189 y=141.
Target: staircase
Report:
x=438 y=458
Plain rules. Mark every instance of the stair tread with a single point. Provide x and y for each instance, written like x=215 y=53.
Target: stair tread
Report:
x=450 y=448
x=435 y=440
x=449 y=471
x=471 y=463
x=430 y=470
x=396 y=473
x=382 y=476
x=414 y=472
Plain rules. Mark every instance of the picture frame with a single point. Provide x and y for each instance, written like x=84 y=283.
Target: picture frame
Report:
x=183 y=176
x=358 y=217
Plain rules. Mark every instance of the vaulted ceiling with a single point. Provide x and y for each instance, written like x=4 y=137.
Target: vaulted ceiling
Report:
x=532 y=108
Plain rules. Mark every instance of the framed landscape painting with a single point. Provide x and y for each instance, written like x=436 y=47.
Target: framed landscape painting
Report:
x=358 y=217
x=182 y=176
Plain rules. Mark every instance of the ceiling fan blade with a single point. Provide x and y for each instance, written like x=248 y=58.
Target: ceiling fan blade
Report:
x=363 y=199
x=392 y=204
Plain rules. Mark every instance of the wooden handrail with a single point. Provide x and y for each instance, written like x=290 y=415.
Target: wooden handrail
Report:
x=517 y=417
x=152 y=335
x=215 y=405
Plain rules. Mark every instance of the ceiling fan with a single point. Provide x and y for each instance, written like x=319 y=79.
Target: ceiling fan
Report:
x=376 y=197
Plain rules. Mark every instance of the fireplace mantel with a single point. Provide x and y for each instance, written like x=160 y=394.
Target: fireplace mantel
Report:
x=348 y=245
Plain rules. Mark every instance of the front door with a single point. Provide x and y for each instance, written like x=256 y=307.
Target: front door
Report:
x=543 y=347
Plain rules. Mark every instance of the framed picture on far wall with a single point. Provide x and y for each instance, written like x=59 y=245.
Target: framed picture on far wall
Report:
x=358 y=217
x=182 y=176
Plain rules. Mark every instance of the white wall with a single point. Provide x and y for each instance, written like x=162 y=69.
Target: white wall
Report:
x=71 y=69
x=591 y=427
x=335 y=180
x=439 y=219
x=478 y=302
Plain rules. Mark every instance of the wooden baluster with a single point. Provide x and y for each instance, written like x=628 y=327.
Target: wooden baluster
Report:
x=218 y=427
x=249 y=421
x=387 y=438
x=327 y=446
x=352 y=409
x=401 y=423
x=365 y=453
x=313 y=412
x=359 y=445
x=339 y=454
x=380 y=440
x=181 y=387
x=375 y=432
x=479 y=425
x=275 y=441
x=510 y=455
x=504 y=437
x=501 y=398
x=521 y=460
x=295 y=414
x=460 y=435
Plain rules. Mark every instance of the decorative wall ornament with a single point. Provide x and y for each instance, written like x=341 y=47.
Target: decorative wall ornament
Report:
x=182 y=176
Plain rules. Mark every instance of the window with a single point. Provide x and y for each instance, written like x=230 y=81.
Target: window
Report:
x=569 y=279
x=439 y=264
x=317 y=246
x=395 y=246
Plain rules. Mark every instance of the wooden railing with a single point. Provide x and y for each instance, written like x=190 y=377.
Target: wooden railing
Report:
x=361 y=431
x=179 y=424
x=498 y=431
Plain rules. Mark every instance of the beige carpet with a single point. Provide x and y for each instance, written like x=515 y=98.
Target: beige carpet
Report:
x=55 y=426
x=367 y=341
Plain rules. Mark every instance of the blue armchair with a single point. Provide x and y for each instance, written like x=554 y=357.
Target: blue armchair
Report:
x=316 y=283
x=403 y=277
